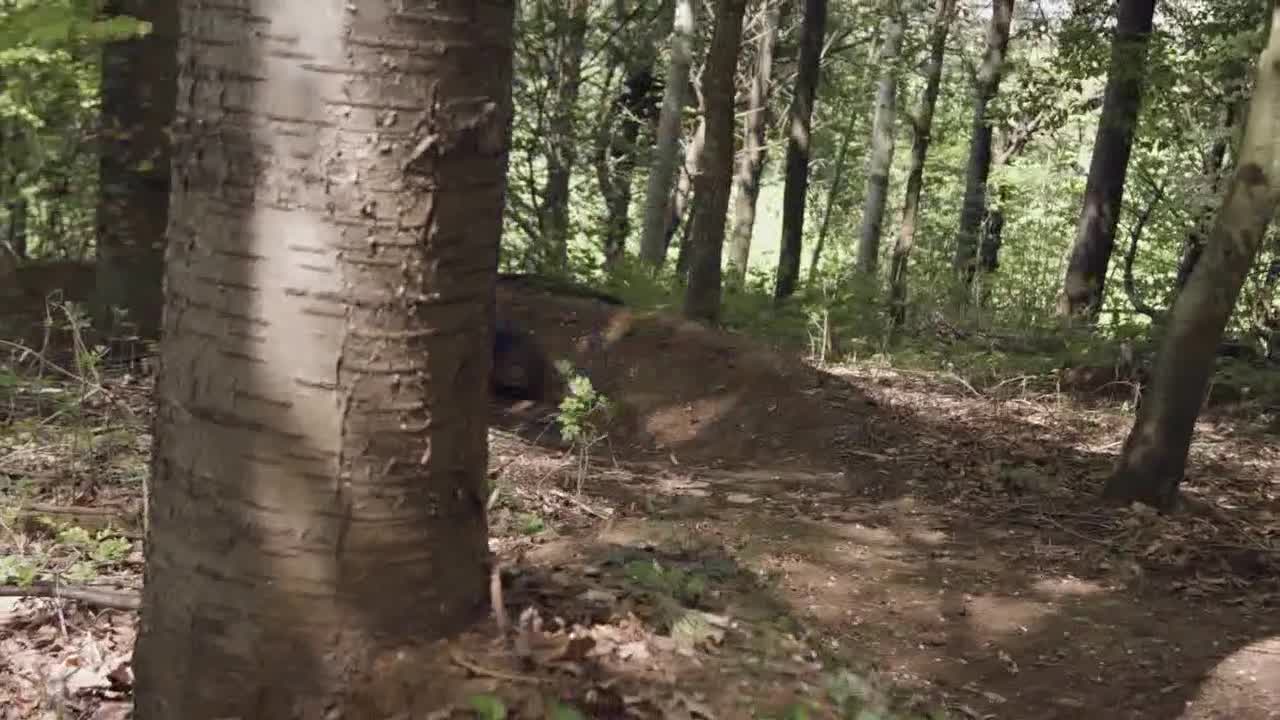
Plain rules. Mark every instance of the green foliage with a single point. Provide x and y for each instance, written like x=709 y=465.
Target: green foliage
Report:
x=488 y=707
x=584 y=411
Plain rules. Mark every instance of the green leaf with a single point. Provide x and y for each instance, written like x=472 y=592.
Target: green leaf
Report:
x=488 y=707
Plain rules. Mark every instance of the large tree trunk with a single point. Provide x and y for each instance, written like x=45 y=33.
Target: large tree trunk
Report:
x=1100 y=213
x=880 y=162
x=1154 y=458
x=921 y=134
x=319 y=467
x=712 y=185
x=754 y=151
x=799 y=121
x=986 y=85
x=562 y=153
x=139 y=78
x=658 y=196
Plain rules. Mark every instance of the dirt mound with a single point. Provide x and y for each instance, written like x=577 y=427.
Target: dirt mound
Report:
x=698 y=394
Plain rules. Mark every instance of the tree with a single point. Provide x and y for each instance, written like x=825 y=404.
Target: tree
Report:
x=713 y=183
x=570 y=27
x=796 y=184
x=1104 y=191
x=921 y=134
x=880 y=162
x=754 y=151
x=139 y=79
x=1154 y=457
x=658 y=197
x=317 y=499
x=986 y=86
x=629 y=110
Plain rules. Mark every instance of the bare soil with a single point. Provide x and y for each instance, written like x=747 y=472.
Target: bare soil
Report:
x=759 y=533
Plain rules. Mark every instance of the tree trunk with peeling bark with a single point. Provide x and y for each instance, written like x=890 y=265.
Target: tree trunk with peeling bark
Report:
x=1154 y=458
x=1085 y=282
x=712 y=185
x=317 y=508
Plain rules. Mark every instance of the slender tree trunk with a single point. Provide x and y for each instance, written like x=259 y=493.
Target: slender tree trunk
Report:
x=921 y=131
x=682 y=198
x=658 y=197
x=755 y=151
x=139 y=78
x=1104 y=192
x=880 y=161
x=986 y=86
x=631 y=110
x=318 y=512
x=1213 y=172
x=712 y=185
x=18 y=226
x=1154 y=458
x=562 y=153
x=799 y=120
x=833 y=192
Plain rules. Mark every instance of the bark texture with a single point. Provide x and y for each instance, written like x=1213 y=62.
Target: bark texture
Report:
x=880 y=160
x=921 y=135
x=799 y=122
x=1154 y=458
x=139 y=79
x=319 y=465
x=658 y=196
x=1104 y=191
x=986 y=86
x=712 y=185
x=754 y=151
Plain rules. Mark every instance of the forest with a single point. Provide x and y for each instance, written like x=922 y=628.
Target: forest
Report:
x=777 y=359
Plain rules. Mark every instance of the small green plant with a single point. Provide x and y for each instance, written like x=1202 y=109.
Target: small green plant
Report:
x=530 y=523
x=584 y=416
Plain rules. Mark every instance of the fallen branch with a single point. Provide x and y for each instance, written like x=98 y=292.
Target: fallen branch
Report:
x=490 y=672
x=97 y=597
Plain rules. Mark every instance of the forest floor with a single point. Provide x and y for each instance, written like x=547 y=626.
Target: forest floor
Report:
x=758 y=538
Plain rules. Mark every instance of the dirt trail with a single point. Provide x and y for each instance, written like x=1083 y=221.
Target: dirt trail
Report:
x=952 y=541
x=760 y=533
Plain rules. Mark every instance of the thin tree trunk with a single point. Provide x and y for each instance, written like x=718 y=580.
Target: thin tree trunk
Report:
x=921 y=132
x=631 y=110
x=1154 y=458
x=317 y=511
x=755 y=151
x=139 y=78
x=986 y=86
x=562 y=153
x=682 y=203
x=658 y=197
x=880 y=162
x=713 y=183
x=1212 y=172
x=799 y=121
x=833 y=192
x=1086 y=276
